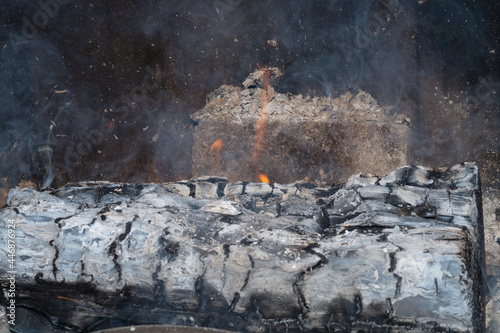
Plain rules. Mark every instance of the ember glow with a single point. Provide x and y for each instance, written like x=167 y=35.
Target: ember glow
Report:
x=152 y=91
x=216 y=146
x=260 y=125
x=215 y=149
x=263 y=178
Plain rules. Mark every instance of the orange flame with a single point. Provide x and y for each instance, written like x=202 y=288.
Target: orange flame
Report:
x=216 y=146
x=260 y=127
x=263 y=178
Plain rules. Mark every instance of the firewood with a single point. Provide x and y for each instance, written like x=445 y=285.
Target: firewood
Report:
x=399 y=253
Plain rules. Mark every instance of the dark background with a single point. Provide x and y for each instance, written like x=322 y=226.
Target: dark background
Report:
x=103 y=90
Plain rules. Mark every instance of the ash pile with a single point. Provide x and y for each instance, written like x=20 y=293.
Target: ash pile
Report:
x=298 y=137
x=399 y=253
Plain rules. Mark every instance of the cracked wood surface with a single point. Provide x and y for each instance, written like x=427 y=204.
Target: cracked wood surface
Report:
x=400 y=253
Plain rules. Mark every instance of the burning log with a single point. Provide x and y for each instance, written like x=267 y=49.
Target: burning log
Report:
x=383 y=254
x=289 y=137
x=491 y=218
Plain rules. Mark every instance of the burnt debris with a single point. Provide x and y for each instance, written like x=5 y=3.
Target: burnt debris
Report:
x=255 y=257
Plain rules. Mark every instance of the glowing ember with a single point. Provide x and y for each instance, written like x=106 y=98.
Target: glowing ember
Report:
x=260 y=126
x=216 y=146
x=263 y=178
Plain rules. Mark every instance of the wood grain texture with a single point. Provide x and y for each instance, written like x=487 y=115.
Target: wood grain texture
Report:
x=399 y=253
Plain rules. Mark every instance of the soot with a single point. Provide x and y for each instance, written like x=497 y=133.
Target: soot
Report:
x=104 y=90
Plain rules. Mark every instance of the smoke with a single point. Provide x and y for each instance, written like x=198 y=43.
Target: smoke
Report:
x=17 y=127
x=97 y=90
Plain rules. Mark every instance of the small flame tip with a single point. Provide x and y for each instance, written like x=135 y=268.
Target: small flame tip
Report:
x=216 y=146
x=263 y=178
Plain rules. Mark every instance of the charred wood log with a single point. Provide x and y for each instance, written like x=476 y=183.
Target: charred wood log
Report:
x=400 y=253
x=491 y=220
